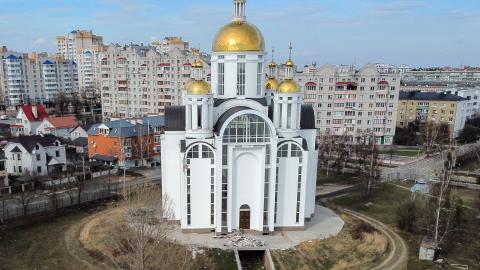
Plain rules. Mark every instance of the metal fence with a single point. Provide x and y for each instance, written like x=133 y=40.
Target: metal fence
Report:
x=37 y=203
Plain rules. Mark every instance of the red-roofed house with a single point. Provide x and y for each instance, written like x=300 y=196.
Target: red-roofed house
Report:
x=28 y=119
x=58 y=126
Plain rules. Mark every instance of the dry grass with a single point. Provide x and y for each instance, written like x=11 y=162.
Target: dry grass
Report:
x=343 y=251
x=373 y=243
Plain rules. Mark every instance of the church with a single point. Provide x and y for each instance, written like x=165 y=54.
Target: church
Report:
x=241 y=153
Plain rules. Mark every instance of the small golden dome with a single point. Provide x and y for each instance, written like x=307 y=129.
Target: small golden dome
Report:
x=197 y=64
x=198 y=87
x=271 y=84
x=238 y=36
x=272 y=64
x=288 y=86
x=289 y=63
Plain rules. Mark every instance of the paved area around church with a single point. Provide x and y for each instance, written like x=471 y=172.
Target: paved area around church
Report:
x=324 y=224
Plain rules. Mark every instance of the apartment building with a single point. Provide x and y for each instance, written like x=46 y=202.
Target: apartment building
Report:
x=451 y=75
x=35 y=78
x=423 y=107
x=169 y=43
x=137 y=81
x=352 y=102
x=82 y=47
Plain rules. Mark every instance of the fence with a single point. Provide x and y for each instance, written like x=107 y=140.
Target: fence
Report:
x=38 y=203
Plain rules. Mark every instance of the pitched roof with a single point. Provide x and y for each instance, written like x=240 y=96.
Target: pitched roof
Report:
x=404 y=95
x=29 y=142
x=154 y=121
x=63 y=122
x=119 y=128
x=41 y=112
x=80 y=141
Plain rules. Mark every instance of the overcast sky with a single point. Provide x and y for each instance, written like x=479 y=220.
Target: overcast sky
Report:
x=415 y=32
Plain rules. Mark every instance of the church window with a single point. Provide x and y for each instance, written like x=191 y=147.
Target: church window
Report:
x=221 y=78
x=247 y=128
x=259 y=78
x=240 y=79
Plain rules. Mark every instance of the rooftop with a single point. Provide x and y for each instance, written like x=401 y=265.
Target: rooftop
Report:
x=413 y=95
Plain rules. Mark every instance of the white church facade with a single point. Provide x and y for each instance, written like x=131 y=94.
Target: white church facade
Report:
x=241 y=153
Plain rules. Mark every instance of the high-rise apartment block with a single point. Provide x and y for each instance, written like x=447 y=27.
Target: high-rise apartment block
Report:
x=82 y=47
x=169 y=43
x=35 y=78
x=350 y=102
x=137 y=81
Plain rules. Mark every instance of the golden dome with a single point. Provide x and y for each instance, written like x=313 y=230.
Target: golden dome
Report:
x=289 y=63
x=198 y=87
x=238 y=36
x=272 y=64
x=197 y=64
x=288 y=86
x=271 y=84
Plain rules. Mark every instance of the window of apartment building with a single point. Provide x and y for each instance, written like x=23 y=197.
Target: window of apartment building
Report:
x=359 y=122
x=392 y=88
x=362 y=80
x=328 y=122
x=362 y=88
x=240 y=79
x=372 y=88
x=330 y=80
x=329 y=113
x=221 y=78
x=372 y=80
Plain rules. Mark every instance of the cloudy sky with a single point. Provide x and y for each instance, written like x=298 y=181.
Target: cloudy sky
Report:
x=415 y=32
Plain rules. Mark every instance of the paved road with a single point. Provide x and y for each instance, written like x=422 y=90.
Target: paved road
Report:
x=426 y=167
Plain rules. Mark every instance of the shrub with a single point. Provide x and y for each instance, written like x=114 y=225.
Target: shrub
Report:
x=407 y=216
x=360 y=228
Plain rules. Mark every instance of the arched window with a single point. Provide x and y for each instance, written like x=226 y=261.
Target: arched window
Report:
x=200 y=151
x=247 y=128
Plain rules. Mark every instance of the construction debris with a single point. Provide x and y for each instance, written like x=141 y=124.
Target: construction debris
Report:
x=238 y=240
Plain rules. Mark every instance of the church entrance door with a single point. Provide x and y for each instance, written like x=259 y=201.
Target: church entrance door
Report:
x=244 y=217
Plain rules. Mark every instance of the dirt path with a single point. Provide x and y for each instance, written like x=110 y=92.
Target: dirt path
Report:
x=398 y=257
x=75 y=249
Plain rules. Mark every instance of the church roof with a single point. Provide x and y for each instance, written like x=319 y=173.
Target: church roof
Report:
x=307 y=117
x=226 y=115
x=175 y=118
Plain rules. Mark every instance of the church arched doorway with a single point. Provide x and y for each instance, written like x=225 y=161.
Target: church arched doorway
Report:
x=244 y=219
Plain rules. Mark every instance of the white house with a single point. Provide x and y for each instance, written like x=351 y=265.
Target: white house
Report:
x=78 y=132
x=35 y=154
x=58 y=126
x=28 y=118
x=231 y=158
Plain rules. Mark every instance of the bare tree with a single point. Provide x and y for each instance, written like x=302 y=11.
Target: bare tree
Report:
x=326 y=145
x=25 y=198
x=343 y=150
x=366 y=153
x=433 y=135
x=139 y=239
x=442 y=211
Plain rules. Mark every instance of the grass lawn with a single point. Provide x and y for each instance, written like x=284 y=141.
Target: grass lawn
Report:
x=401 y=152
x=336 y=177
x=385 y=202
x=40 y=246
x=343 y=251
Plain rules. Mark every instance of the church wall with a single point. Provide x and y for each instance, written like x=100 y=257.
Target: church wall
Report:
x=247 y=185
x=172 y=171
x=200 y=195
x=311 y=186
x=287 y=192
